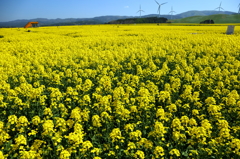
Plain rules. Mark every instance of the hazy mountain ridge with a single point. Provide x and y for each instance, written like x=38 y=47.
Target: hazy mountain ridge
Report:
x=103 y=19
x=202 y=13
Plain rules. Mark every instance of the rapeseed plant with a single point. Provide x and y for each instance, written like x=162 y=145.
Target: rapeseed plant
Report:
x=134 y=91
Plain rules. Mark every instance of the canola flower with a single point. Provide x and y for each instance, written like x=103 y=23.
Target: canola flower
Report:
x=120 y=91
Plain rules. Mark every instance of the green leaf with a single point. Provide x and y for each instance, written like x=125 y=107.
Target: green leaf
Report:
x=185 y=153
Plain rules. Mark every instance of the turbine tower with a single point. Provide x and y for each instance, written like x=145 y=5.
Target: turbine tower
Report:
x=140 y=10
x=159 y=6
x=220 y=7
x=239 y=8
x=171 y=12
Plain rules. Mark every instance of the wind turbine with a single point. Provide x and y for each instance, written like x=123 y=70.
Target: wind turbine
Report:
x=172 y=12
x=220 y=7
x=159 y=6
x=140 y=10
x=239 y=8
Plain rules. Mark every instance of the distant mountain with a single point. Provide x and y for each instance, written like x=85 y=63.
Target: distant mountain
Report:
x=42 y=22
x=59 y=21
x=201 y=13
x=103 y=19
x=195 y=17
x=190 y=14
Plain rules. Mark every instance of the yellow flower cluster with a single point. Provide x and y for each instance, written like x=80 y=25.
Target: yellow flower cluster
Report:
x=127 y=91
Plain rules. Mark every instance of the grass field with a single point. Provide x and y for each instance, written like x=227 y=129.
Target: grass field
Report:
x=218 y=18
x=120 y=91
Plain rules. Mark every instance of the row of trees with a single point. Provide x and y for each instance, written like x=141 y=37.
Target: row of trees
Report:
x=139 y=20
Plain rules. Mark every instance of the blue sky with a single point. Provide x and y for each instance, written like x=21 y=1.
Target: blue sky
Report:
x=51 y=9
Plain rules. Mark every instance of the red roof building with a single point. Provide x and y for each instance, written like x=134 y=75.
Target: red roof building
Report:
x=31 y=24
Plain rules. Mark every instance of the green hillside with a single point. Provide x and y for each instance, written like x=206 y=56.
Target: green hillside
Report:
x=218 y=18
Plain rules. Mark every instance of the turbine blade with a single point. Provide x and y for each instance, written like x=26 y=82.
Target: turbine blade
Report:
x=157 y=2
x=163 y=3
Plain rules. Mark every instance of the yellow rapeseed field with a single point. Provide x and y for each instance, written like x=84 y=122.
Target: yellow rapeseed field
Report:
x=120 y=91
